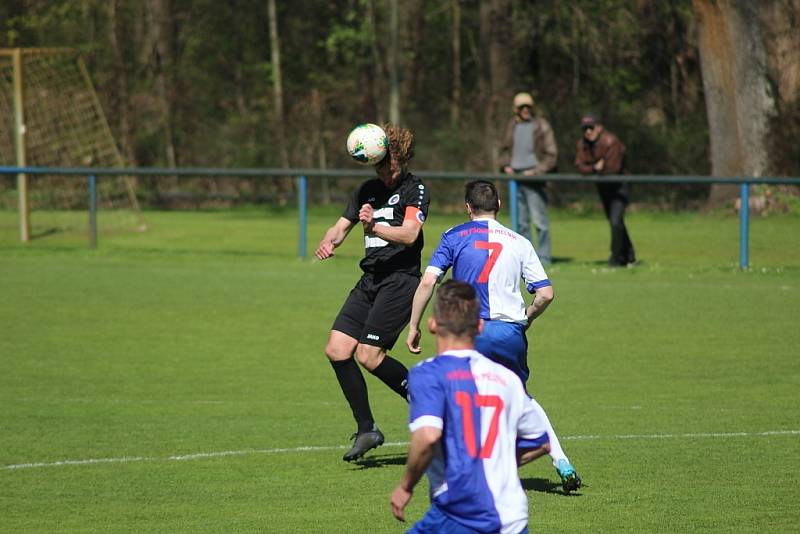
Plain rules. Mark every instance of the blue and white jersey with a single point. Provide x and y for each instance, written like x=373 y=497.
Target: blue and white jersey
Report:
x=473 y=474
x=492 y=258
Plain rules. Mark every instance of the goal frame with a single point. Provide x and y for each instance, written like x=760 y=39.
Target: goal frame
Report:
x=17 y=56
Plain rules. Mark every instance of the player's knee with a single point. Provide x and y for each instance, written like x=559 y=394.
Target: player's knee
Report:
x=369 y=356
x=336 y=352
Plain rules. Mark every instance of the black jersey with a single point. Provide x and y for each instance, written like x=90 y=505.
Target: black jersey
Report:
x=409 y=198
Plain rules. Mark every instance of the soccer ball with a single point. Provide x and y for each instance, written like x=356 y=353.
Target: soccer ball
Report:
x=367 y=143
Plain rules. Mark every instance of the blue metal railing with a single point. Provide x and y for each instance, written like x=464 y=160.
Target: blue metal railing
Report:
x=303 y=174
x=744 y=226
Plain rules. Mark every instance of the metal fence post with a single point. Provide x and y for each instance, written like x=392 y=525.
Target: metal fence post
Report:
x=744 y=225
x=512 y=202
x=302 y=204
x=92 y=211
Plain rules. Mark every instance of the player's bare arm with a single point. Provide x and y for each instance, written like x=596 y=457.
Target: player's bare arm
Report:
x=420 y=453
x=529 y=455
x=421 y=298
x=541 y=300
x=334 y=237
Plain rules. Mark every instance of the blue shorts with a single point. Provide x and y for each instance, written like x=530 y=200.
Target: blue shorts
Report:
x=435 y=522
x=506 y=344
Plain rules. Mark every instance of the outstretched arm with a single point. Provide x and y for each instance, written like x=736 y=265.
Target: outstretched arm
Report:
x=420 y=453
x=421 y=298
x=333 y=238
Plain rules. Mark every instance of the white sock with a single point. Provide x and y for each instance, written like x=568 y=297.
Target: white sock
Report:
x=556 y=452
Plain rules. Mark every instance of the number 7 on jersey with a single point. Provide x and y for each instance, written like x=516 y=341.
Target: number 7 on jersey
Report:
x=494 y=252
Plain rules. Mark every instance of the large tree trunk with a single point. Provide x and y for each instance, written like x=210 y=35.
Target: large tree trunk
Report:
x=738 y=89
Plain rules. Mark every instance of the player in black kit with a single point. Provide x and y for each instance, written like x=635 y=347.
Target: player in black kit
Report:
x=391 y=209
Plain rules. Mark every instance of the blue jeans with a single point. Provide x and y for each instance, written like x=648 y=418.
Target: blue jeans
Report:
x=533 y=211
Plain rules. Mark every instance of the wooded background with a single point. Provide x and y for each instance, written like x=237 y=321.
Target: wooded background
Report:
x=690 y=86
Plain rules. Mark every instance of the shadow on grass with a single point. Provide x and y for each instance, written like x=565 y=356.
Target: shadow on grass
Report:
x=544 y=485
x=381 y=460
x=44 y=232
x=605 y=263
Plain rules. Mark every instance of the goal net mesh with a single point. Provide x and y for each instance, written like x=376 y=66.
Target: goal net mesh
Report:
x=64 y=127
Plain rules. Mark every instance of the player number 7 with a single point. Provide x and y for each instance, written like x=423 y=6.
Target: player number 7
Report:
x=494 y=252
x=465 y=402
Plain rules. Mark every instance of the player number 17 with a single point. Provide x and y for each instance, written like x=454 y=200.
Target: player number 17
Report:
x=466 y=402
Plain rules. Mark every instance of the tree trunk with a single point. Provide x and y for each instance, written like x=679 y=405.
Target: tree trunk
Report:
x=161 y=28
x=122 y=107
x=394 y=77
x=484 y=80
x=455 y=44
x=318 y=142
x=738 y=93
x=277 y=97
x=412 y=73
x=375 y=79
x=277 y=81
x=496 y=25
x=780 y=21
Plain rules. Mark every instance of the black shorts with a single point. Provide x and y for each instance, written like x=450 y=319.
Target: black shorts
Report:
x=378 y=308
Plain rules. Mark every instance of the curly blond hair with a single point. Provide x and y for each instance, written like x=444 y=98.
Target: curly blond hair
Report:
x=401 y=142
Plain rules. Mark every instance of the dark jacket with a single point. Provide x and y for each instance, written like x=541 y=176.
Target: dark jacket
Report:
x=607 y=146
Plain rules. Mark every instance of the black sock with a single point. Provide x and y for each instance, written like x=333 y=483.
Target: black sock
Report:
x=394 y=374
x=355 y=391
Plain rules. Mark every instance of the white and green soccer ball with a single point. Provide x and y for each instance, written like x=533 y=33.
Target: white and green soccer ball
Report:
x=367 y=143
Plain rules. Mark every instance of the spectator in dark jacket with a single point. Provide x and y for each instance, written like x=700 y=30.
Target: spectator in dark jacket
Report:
x=600 y=152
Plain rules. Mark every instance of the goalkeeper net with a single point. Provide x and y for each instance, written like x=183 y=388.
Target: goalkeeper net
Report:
x=64 y=126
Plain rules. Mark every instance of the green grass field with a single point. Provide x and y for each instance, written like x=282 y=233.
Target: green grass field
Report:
x=174 y=380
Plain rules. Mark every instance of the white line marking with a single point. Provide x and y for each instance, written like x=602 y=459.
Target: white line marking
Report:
x=247 y=452
x=125 y=459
